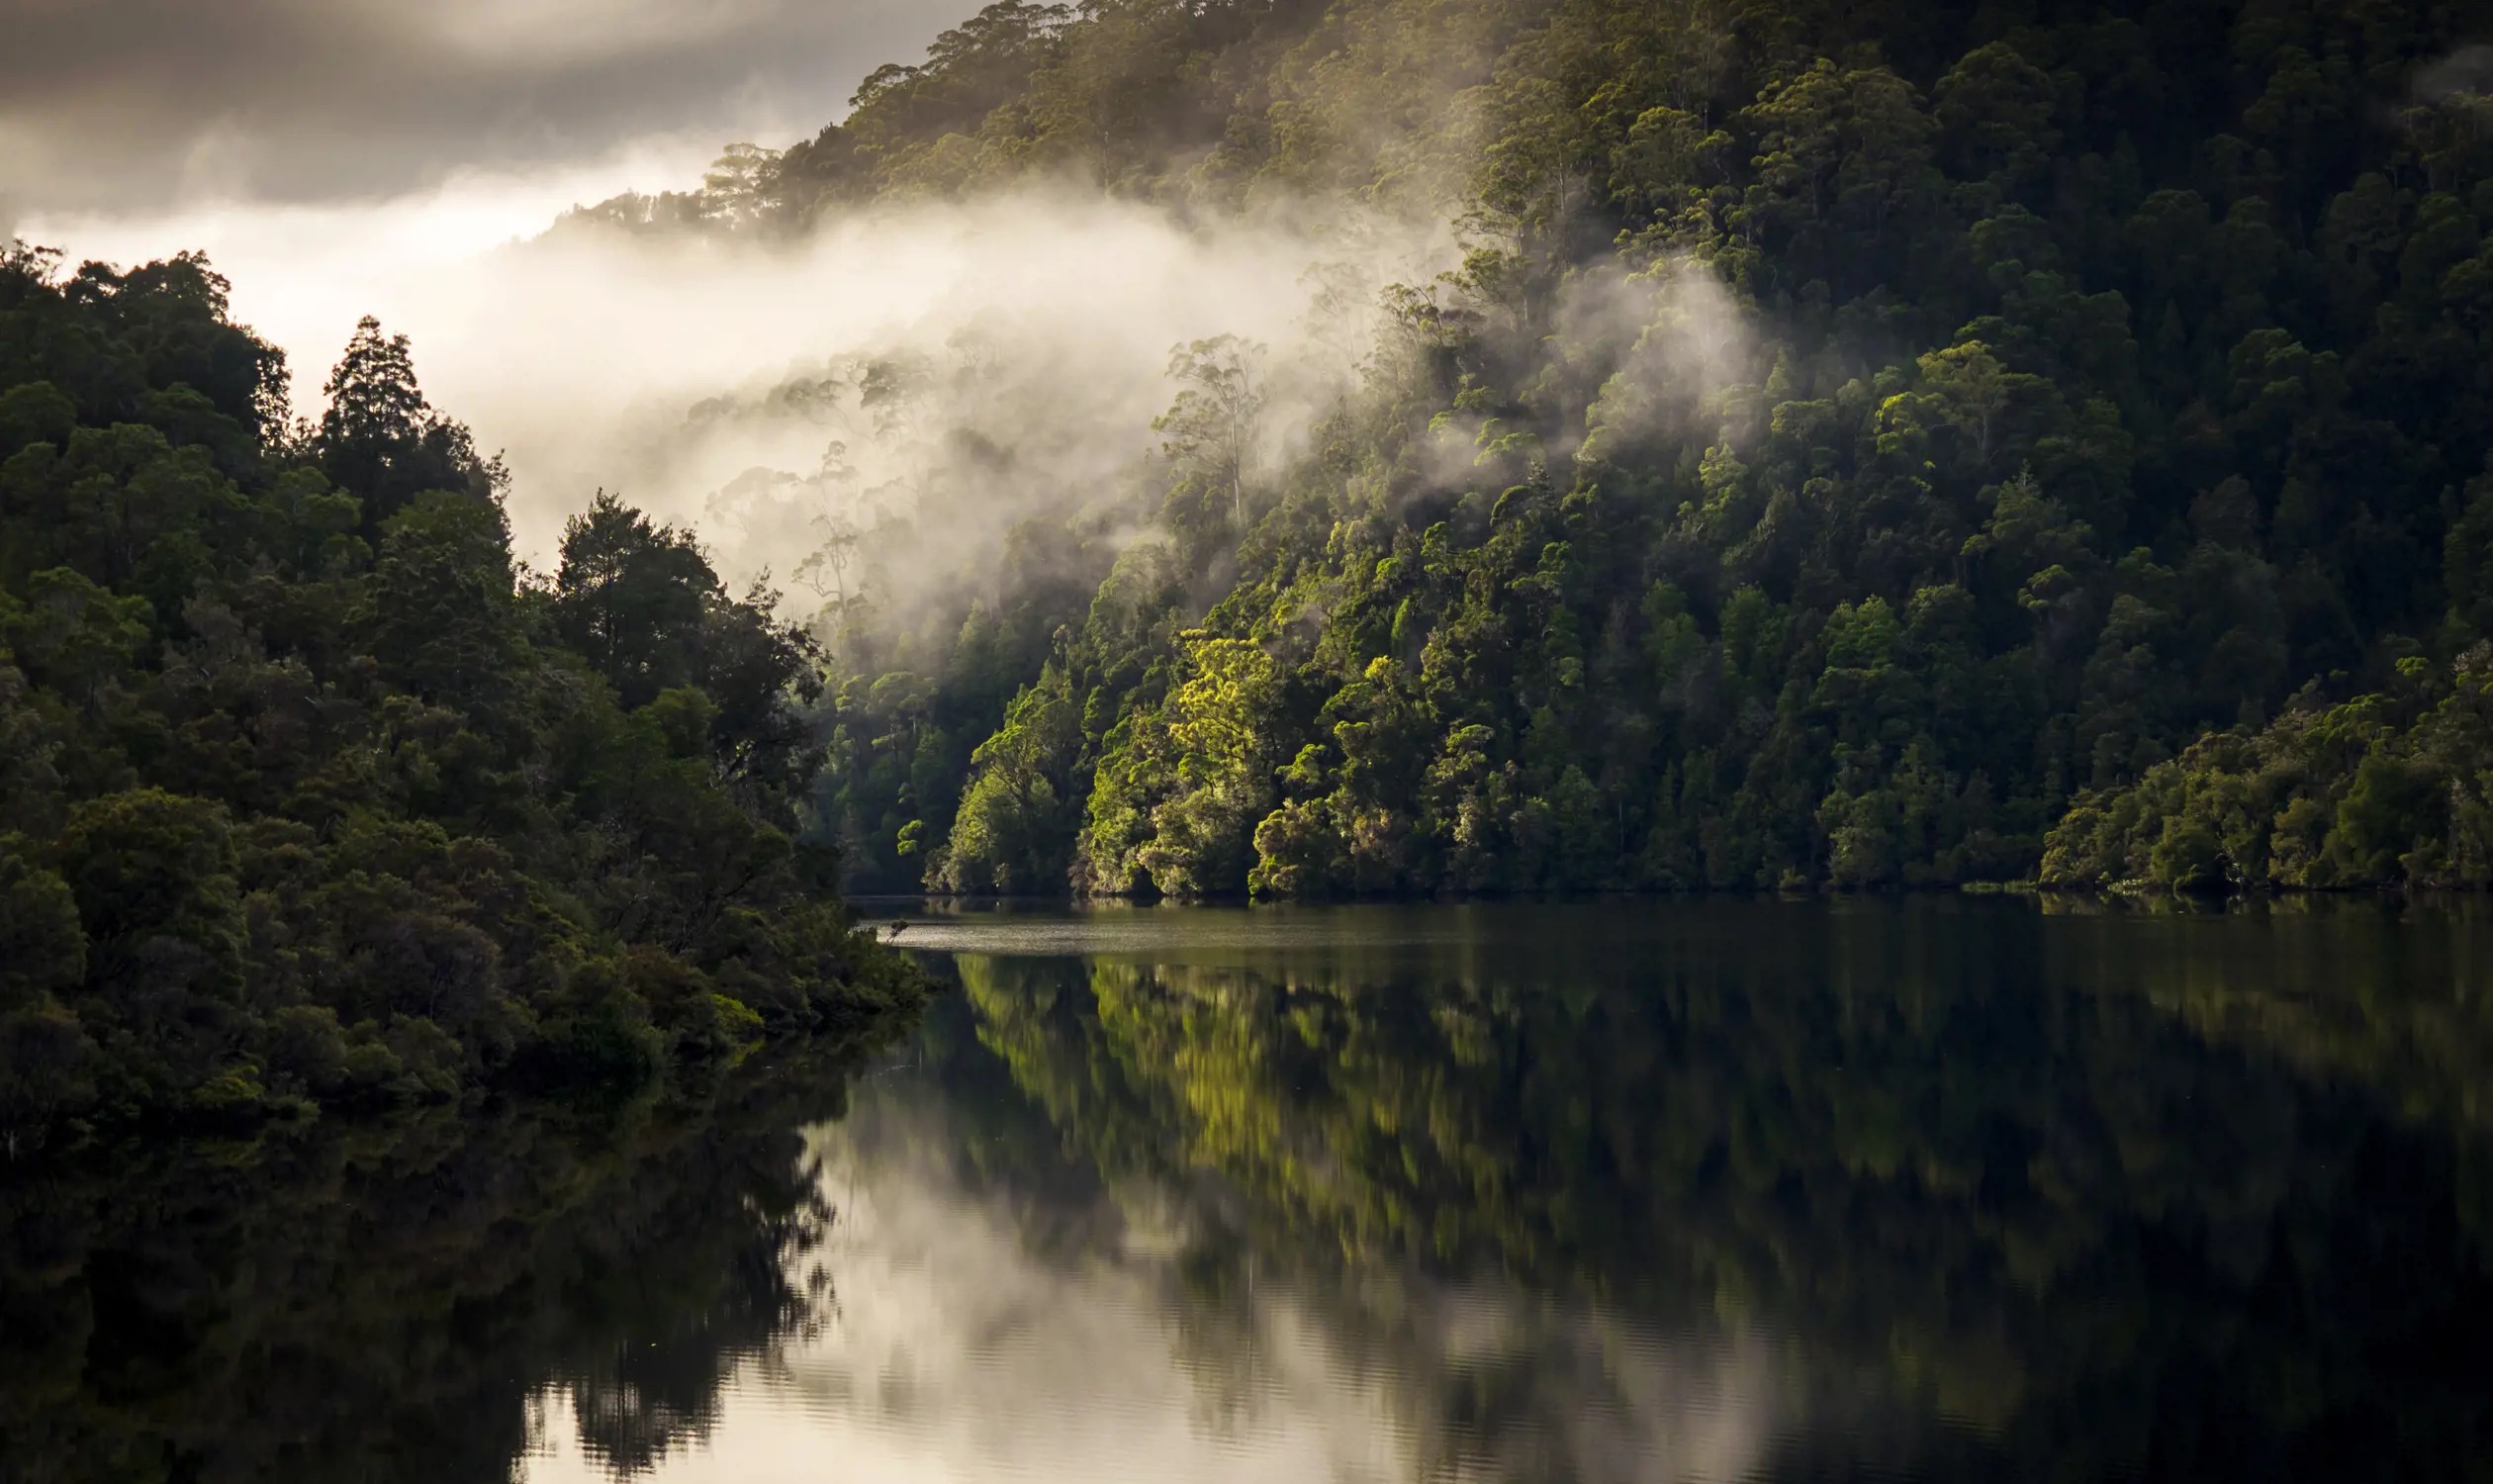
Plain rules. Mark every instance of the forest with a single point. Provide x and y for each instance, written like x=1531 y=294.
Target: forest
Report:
x=310 y=797
x=2048 y=441
x=1853 y=446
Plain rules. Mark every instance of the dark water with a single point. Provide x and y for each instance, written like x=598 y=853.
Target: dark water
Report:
x=1931 y=1189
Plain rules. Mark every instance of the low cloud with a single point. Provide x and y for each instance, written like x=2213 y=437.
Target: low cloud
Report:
x=913 y=379
x=925 y=376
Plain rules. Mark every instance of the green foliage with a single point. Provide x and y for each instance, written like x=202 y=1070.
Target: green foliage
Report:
x=381 y=438
x=1856 y=438
x=307 y=798
x=1180 y=790
x=2387 y=790
x=42 y=942
x=1012 y=814
x=642 y=604
x=445 y=622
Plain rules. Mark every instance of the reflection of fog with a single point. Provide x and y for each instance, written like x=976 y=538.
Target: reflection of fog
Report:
x=1938 y=1189
x=1028 y=1324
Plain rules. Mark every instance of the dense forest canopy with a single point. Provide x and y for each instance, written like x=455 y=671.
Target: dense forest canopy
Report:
x=308 y=797
x=1853 y=445
x=1863 y=444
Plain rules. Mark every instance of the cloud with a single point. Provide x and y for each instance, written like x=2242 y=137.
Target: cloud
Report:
x=928 y=375
x=708 y=380
x=913 y=380
x=1017 y=346
x=119 y=105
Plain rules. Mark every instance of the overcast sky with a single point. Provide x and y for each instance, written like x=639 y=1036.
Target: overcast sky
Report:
x=337 y=157
x=126 y=107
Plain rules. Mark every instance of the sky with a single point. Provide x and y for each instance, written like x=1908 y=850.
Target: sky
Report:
x=336 y=158
x=318 y=151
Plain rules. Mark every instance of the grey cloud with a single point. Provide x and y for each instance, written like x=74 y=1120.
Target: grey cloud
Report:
x=119 y=104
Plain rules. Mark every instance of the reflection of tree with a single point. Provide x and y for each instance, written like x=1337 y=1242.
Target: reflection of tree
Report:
x=1358 y=1361
x=1978 y=1151
x=381 y=1303
x=2387 y=994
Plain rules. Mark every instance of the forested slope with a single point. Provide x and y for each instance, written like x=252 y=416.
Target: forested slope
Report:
x=307 y=798
x=2027 y=418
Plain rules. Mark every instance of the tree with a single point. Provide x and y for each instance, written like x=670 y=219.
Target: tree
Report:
x=285 y=819
x=634 y=596
x=1210 y=430
x=642 y=603
x=445 y=623
x=739 y=187
x=381 y=440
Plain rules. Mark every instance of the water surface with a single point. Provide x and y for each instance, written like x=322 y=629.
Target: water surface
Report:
x=1931 y=1189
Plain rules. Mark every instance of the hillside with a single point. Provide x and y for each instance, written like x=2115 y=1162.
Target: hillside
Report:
x=308 y=798
x=2025 y=415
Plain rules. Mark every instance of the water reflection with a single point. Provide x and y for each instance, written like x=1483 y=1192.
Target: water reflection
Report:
x=1004 y=1311
x=1702 y=1191
x=1713 y=1190
x=383 y=1302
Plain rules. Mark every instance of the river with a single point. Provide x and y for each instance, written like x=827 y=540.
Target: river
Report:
x=1928 y=1187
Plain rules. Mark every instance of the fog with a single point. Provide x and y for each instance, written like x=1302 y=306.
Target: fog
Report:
x=939 y=371
x=2463 y=80
x=861 y=416
x=972 y=362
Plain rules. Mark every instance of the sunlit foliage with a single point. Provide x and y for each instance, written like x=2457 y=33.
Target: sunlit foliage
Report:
x=1857 y=436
